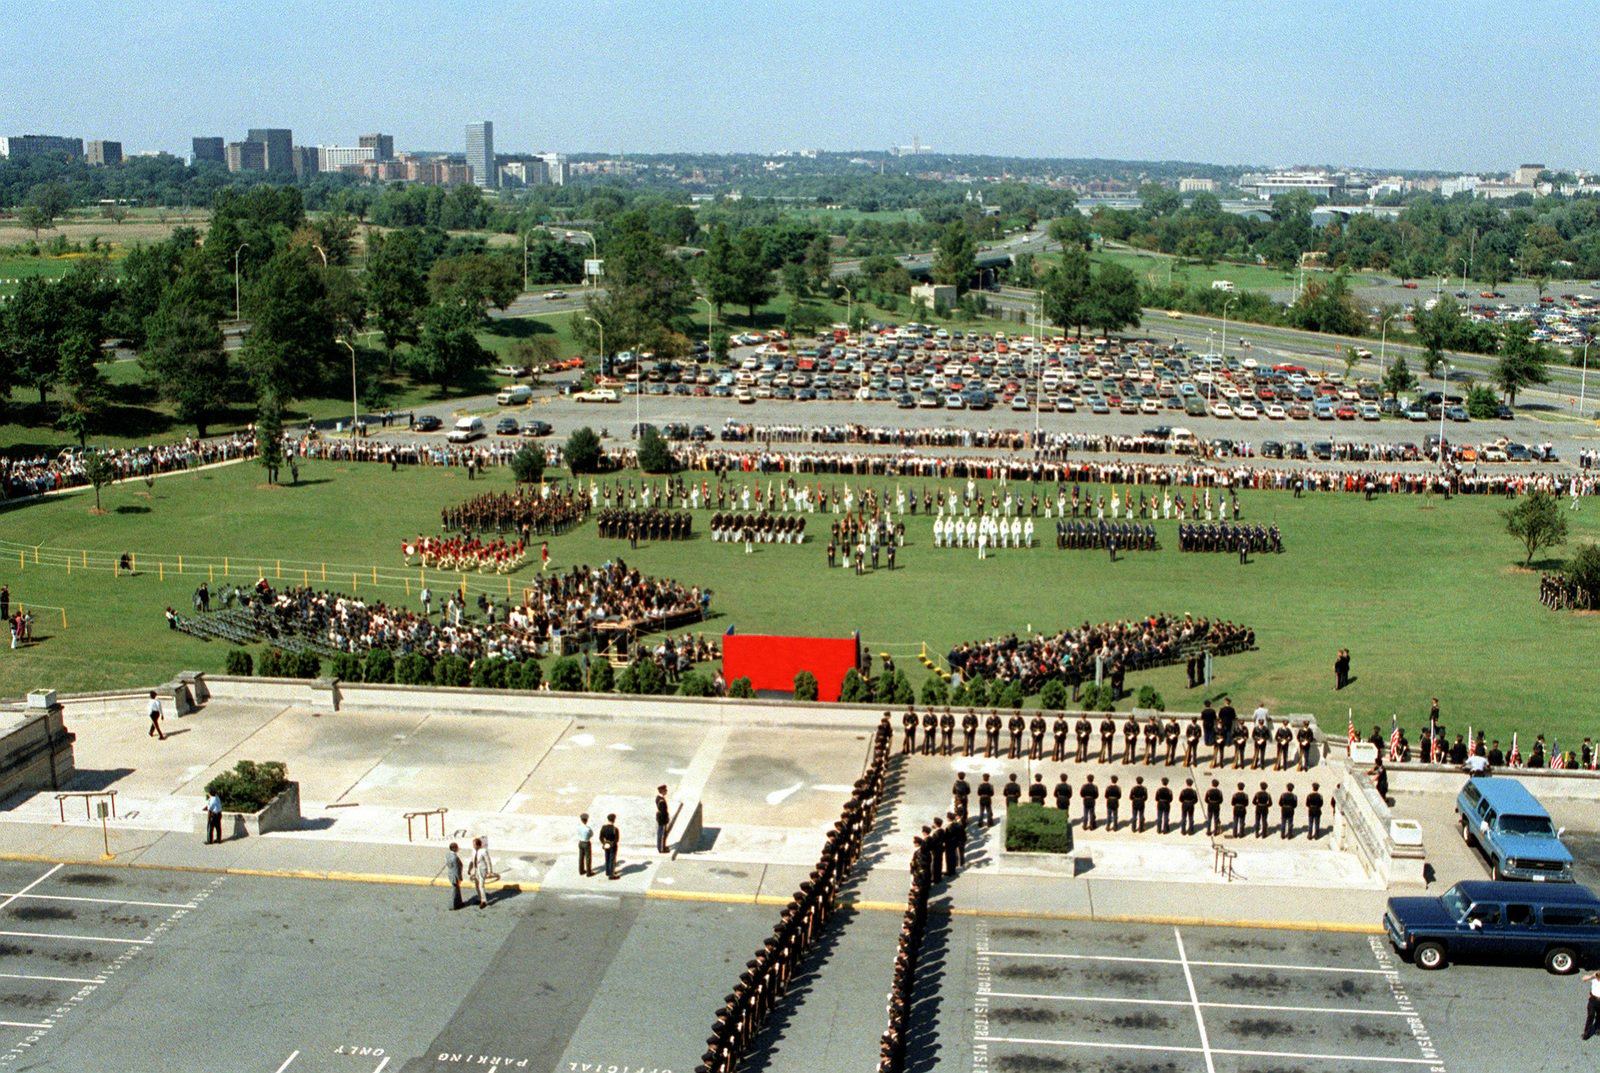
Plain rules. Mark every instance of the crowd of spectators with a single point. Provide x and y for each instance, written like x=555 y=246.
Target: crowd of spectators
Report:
x=42 y=473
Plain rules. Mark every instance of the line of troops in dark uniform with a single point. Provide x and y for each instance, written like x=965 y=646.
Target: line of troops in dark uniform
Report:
x=1162 y=738
x=879 y=528
x=1559 y=592
x=526 y=511
x=1123 y=536
x=653 y=524
x=767 y=975
x=762 y=528
x=1090 y=796
x=939 y=851
x=1229 y=536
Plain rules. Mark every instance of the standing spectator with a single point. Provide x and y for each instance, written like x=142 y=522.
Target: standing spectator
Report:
x=610 y=837
x=663 y=819
x=585 y=846
x=452 y=872
x=479 y=871
x=213 y=818
x=1591 y=1022
x=155 y=717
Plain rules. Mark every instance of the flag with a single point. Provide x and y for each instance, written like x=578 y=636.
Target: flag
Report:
x=729 y=631
x=1515 y=757
x=1438 y=749
x=1558 y=759
x=1394 y=736
x=1353 y=738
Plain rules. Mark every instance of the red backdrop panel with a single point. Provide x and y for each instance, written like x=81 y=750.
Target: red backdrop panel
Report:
x=772 y=662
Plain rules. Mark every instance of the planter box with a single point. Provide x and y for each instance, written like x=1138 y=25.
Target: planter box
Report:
x=281 y=814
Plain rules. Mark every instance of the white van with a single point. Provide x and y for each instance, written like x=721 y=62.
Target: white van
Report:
x=1222 y=285
x=514 y=395
x=467 y=429
x=1181 y=441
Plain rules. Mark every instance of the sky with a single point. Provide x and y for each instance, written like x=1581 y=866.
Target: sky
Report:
x=1458 y=85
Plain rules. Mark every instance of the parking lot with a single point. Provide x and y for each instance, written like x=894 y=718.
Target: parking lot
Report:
x=1022 y=995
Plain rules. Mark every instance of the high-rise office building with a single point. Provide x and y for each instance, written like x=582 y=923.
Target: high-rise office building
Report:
x=307 y=160
x=22 y=146
x=338 y=157
x=555 y=169
x=246 y=156
x=382 y=146
x=480 y=154
x=279 y=145
x=209 y=151
x=103 y=153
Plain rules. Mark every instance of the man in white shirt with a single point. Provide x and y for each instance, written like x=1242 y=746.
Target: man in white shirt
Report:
x=585 y=846
x=155 y=717
x=1262 y=716
x=1592 y=1023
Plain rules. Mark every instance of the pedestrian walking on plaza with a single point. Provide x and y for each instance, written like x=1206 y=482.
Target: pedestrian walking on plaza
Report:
x=213 y=818
x=155 y=717
x=479 y=871
x=610 y=837
x=585 y=846
x=1591 y=1023
x=663 y=819
x=452 y=872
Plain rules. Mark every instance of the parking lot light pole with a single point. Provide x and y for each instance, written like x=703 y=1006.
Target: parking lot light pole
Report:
x=1444 y=400
x=711 y=318
x=1583 y=380
x=1384 y=346
x=355 y=407
x=242 y=247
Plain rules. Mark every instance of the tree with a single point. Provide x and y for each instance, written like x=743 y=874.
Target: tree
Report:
x=397 y=288
x=719 y=274
x=1538 y=521
x=476 y=281
x=269 y=436
x=85 y=405
x=1398 y=377
x=44 y=203
x=956 y=260
x=655 y=456
x=1522 y=360
x=449 y=352
x=99 y=472
x=527 y=465
x=1114 y=298
x=1066 y=291
x=805 y=686
x=582 y=452
x=1583 y=573
x=183 y=353
x=291 y=340
x=1328 y=306
x=1159 y=200
x=1482 y=403
x=1071 y=231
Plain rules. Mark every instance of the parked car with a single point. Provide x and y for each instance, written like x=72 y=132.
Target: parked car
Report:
x=511 y=370
x=537 y=428
x=467 y=429
x=1507 y=923
x=507 y=426
x=599 y=394
x=1512 y=830
x=428 y=423
x=1456 y=413
x=514 y=395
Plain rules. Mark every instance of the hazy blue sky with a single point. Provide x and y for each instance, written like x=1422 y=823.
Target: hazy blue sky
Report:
x=1451 y=85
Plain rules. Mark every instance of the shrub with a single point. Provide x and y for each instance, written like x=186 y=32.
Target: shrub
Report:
x=1095 y=698
x=805 y=686
x=346 y=668
x=960 y=694
x=903 y=691
x=978 y=692
x=302 y=665
x=934 y=690
x=741 y=689
x=655 y=456
x=238 y=662
x=1053 y=695
x=249 y=786
x=855 y=689
x=582 y=455
x=566 y=674
x=270 y=665
x=642 y=677
x=380 y=666
x=1010 y=697
x=489 y=673
x=694 y=684
x=527 y=465
x=1037 y=829
x=525 y=675
x=602 y=677
x=451 y=671
x=414 y=670
x=1151 y=699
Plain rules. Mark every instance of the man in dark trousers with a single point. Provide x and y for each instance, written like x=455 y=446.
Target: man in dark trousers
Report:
x=1015 y=727
x=585 y=835
x=1061 y=730
x=610 y=839
x=1012 y=791
x=214 y=819
x=1314 y=812
x=1089 y=795
x=1063 y=795
x=1226 y=715
x=452 y=872
x=986 y=801
x=1263 y=803
x=991 y=731
x=1108 y=734
x=1208 y=724
x=959 y=794
x=1287 y=802
x=663 y=819
x=1113 y=799
x=1083 y=730
x=1038 y=791
x=1591 y=1021
x=1036 y=729
x=1241 y=808
x=1164 y=807
x=908 y=743
x=1213 y=808
x=1137 y=796
x=930 y=732
x=969 y=730
x=947 y=732
x=955 y=838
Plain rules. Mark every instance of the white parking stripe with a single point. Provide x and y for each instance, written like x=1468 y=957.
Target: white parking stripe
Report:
x=287 y=1061
x=30 y=886
x=49 y=979
x=21 y=1024
x=1205 y=1005
x=1174 y=1049
x=75 y=938
x=100 y=901
x=1204 y=964
x=1194 y=997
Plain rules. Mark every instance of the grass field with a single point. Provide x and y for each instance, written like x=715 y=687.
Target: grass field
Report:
x=1426 y=594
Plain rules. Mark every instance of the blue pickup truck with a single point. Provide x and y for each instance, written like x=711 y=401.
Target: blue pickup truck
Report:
x=1512 y=830
x=1508 y=923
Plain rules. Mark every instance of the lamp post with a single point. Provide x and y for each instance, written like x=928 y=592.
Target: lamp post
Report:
x=711 y=319
x=1583 y=381
x=524 y=262
x=322 y=251
x=849 y=308
x=1384 y=345
x=1463 y=261
x=1444 y=401
x=242 y=247
x=594 y=246
x=355 y=407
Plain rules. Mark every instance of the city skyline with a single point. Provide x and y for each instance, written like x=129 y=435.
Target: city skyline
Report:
x=1420 y=86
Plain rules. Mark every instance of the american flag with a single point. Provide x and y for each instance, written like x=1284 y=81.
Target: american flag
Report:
x=1515 y=757
x=1558 y=759
x=1394 y=736
x=1438 y=748
x=1353 y=738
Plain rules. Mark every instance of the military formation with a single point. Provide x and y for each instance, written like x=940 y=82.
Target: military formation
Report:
x=763 y=528
x=1229 y=537
x=528 y=511
x=637 y=525
x=1104 y=536
x=940 y=850
x=767 y=975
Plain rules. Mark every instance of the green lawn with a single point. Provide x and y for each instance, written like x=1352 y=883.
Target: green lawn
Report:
x=1426 y=594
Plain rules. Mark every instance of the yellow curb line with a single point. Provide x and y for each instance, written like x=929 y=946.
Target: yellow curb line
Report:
x=285 y=873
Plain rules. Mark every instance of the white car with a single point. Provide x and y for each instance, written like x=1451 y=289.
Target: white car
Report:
x=1275 y=412
x=1221 y=409
x=599 y=394
x=1246 y=412
x=1149 y=406
x=511 y=370
x=551 y=296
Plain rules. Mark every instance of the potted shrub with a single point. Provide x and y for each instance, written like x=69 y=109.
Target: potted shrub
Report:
x=258 y=797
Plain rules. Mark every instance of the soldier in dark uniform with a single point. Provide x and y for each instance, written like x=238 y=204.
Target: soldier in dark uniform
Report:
x=1012 y=791
x=1241 y=739
x=960 y=792
x=1191 y=743
x=930 y=732
x=1113 y=797
x=1036 y=729
x=991 y=728
x=1259 y=735
x=1108 y=732
x=1208 y=726
x=1136 y=799
x=1286 y=806
x=1059 y=755
x=1305 y=738
x=1164 y=807
x=1152 y=738
x=1263 y=803
x=1227 y=715
x=1063 y=794
x=969 y=730
x=1015 y=726
x=1213 y=807
x=1314 y=811
x=1172 y=733
x=1130 y=739
x=1241 y=807
x=986 y=801
x=1083 y=729
x=1283 y=737
x=1038 y=792
x=908 y=743
x=1089 y=795
x=947 y=732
